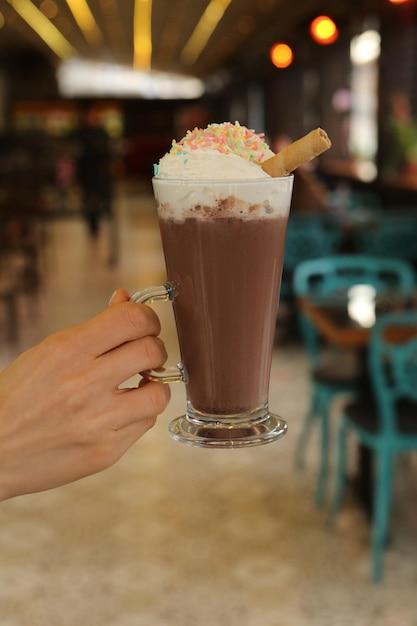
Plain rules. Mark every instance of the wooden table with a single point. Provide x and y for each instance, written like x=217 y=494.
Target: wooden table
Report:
x=330 y=318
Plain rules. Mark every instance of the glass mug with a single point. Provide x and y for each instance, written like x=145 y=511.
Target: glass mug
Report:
x=223 y=244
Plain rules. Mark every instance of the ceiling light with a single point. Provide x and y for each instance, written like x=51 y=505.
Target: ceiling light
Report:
x=142 y=37
x=43 y=28
x=324 y=30
x=81 y=78
x=281 y=55
x=203 y=30
x=85 y=20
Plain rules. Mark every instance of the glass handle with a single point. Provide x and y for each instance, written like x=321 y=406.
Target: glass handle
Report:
x=152 y=294
x=165 y=293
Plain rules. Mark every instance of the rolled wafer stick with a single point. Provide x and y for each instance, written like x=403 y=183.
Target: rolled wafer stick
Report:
x=297 y=153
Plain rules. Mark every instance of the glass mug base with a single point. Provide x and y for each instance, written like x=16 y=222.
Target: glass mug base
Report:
x=218 y=434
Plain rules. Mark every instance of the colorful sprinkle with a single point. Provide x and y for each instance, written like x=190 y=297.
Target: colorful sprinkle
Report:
x=226 y=138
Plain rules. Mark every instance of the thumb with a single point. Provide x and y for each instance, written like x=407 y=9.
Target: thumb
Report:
x=119 y=296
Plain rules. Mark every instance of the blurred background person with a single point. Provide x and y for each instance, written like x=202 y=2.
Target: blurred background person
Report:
x=93 y=168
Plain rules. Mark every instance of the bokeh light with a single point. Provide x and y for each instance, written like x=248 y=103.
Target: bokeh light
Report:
x=323 y=30
x=281 y=55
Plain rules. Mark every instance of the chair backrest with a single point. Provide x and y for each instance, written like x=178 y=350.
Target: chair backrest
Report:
x=364 y=199
x=309 y=237
x=329 y=275
x=393 y=234
x=393 y=365
x=335 y=274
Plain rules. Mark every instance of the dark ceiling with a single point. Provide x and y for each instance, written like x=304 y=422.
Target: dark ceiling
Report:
x=247 y=29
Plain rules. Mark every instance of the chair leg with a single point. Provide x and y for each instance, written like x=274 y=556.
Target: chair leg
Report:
x=381 y=514
x=323 y=413
x=318 y=410
x=341 y=473
x=305 y=432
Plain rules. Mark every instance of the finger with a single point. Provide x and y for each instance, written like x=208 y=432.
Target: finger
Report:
x=113 y=327
x=125 y=438
x=129 y=359
x=142 y=403
x=120 y=295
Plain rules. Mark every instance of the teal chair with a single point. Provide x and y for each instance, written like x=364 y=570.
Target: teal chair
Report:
x=309 y=236
x=328 y=277
x=387 y=424
x=393 y=234
x=364 y=200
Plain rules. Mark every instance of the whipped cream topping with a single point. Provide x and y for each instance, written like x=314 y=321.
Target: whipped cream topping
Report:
x=206 y=199
x=219 y=152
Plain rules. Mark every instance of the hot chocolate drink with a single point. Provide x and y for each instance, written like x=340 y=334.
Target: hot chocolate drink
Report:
x=223 y=221
x=223 y=200
x=224 y=246
x=227 y=273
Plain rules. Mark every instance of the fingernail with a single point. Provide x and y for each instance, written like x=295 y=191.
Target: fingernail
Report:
x=112 y=297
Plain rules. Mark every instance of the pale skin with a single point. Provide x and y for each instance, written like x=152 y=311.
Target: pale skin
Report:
x=62 y=413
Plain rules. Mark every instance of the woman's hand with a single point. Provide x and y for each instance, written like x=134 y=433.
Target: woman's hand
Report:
x=62 y=413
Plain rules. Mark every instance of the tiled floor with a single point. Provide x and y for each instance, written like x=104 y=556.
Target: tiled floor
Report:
x=175 y=536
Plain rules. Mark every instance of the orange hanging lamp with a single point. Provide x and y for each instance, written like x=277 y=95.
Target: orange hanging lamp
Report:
x=281 y=55
x=323 y=30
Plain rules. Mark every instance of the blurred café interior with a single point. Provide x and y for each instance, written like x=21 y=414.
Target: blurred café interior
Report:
x=318 y=528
